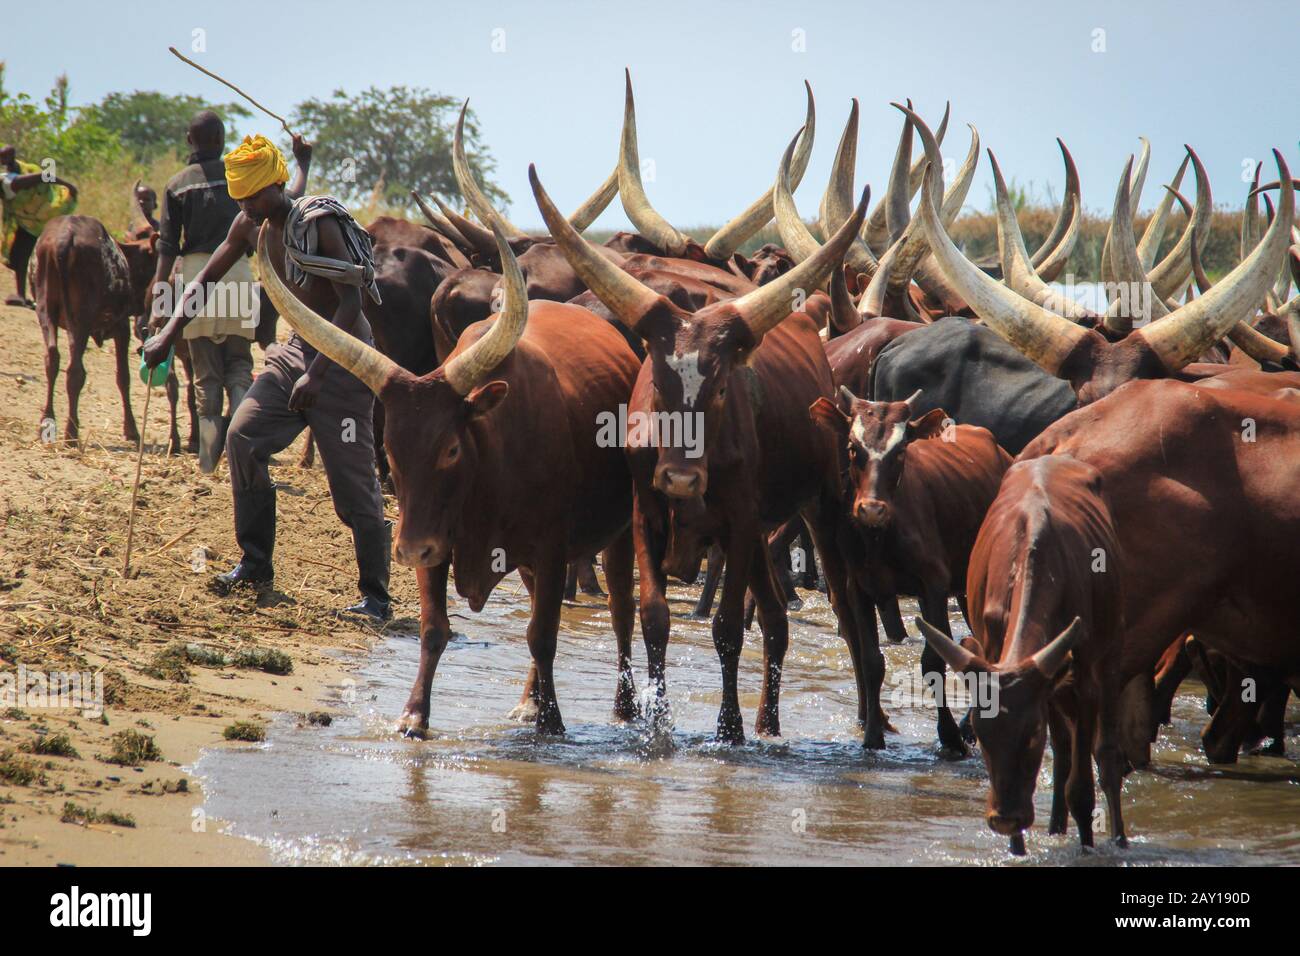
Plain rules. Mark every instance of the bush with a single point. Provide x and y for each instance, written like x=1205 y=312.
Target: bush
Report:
x=130 y=748
x=245 y=730
x=52 y=745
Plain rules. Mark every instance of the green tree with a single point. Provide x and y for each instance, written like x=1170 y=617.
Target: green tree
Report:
x=53 y=130
x=151 y=124
x=383 y=143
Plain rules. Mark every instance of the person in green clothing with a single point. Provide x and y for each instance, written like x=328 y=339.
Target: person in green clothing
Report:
x=31 y=199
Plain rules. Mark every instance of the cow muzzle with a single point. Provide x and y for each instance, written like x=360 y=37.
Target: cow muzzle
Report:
x=1009 y=824
x=676 y=482
x=872 y=513
x=426 y=552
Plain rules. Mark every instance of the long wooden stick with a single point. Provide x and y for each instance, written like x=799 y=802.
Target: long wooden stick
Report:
x=177 y=53
x=135 y=489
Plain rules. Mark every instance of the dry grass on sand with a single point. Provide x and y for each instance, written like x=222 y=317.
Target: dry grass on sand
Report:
x=168 y=650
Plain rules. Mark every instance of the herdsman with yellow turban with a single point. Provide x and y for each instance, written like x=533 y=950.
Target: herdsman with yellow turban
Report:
x=197 y=212
x=324 y=257
x=31 y=198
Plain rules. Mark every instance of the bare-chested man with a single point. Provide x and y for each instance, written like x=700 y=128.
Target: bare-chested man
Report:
x=324 y=257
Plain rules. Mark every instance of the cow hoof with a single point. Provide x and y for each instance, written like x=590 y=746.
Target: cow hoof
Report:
x=131 y=435
x=1016 y=844
x=794 y=604
x=873 y=739
x=413 y=727
x=525 y=712
x=1120 y=841
x=771 y=727
x=730 y=730
x=550 y=724
x=626 y=709
x=951 y=752
x=192 y=447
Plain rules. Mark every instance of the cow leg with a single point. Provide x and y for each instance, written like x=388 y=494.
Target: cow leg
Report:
x=782 y=561
x=810 y=580
x=769 y=598
x=1058 y=727
x=543 y=630
x=1080 y=788
x=852 y=607
x=1232 y=721
x=892 y=619
x=381 y=456
x=871 y=666
x=51 y=333
x=617 y=559
x=728 y=630
x=435 y=632
x=1175 y=666
x=76 y=378
x=308 y=457
x=712 y=575
x=649 y=548
x=934 y=609
x=121 y=343
x=1110 y=759
x=571 y=582
x=173 y=390
x=1272 y=722
x=966 y=727
x=587 y=579
x=527 y=708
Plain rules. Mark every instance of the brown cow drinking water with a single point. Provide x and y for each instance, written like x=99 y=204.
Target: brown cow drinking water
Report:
x=89 y=285
x=916 y=493
x=1045 y=590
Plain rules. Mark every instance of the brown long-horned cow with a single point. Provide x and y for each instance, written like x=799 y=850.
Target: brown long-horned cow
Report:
x=739 y=374
x=1046 y=593
x=498 y=465
x=1087 y=360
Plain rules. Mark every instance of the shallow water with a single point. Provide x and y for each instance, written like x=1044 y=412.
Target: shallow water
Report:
x=486 y=790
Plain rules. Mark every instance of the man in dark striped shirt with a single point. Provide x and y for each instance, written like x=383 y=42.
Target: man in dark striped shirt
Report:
x=196 y=215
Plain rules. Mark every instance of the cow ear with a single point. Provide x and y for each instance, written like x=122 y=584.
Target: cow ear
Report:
x=823 y=412
x=486 y=397
x=742 y=266
x=929 y=425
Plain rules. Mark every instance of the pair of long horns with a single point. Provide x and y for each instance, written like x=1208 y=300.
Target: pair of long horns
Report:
x=630 y=300
x=654 y=227
x=1177 y=340
x=1048 y=661
x=463 y=372
x=481 y=238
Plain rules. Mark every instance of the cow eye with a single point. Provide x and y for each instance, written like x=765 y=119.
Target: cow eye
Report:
x=453 y=452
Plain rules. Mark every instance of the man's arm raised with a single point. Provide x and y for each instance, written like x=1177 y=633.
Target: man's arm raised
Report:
x=239 y=240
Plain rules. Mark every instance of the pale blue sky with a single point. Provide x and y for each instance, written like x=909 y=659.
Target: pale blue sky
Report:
x=719 y=84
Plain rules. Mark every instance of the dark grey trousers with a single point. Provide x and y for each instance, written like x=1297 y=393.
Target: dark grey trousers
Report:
x=340 y=421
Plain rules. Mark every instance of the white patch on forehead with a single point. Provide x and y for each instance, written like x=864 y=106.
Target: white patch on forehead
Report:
x=687 y=369
x=859 y=433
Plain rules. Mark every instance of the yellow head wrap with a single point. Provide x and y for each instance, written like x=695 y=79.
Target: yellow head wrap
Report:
x=252 y=166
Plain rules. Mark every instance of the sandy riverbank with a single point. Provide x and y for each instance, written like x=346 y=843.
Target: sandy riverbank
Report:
x=65 y=607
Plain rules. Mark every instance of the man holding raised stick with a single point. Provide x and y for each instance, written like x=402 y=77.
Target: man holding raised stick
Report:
x=324 y=257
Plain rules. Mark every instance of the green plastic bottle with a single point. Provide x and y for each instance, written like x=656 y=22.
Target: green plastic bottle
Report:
x=158 y=375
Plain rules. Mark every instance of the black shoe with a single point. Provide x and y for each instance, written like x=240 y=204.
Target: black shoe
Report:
x=372 y=608
x=242 y=575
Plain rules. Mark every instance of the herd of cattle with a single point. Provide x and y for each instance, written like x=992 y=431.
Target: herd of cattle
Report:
x=1112 y=498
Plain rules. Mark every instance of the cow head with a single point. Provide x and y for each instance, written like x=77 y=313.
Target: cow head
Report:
x=875 y=436
x=1013 y=737
x=430 y=431
x=1092 y=364
x=691 y=355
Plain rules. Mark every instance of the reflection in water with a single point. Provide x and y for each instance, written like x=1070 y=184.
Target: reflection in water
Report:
x=486 y=790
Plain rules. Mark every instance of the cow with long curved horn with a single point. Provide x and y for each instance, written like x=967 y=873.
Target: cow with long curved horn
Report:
x=498 y=462
x=1093 y=366
x=724 y=455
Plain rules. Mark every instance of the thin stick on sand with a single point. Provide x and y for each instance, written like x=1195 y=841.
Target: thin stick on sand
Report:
x=135 y=489
x=177 y=53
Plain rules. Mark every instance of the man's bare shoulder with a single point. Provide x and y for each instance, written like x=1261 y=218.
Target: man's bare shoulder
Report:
x=243 y=230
